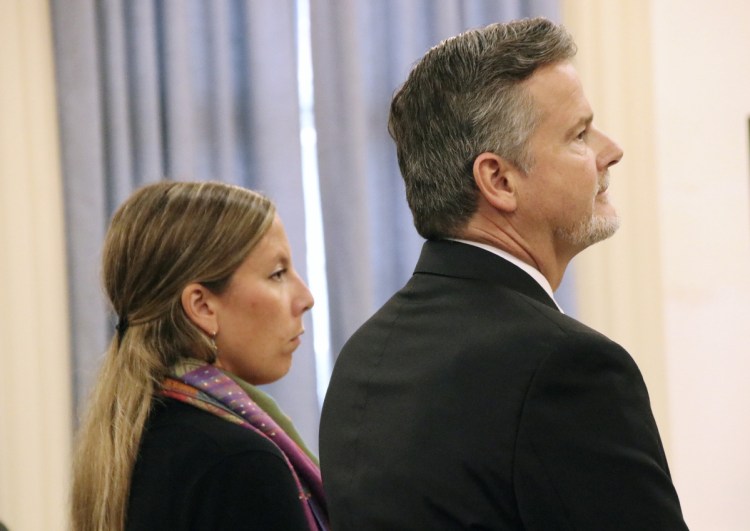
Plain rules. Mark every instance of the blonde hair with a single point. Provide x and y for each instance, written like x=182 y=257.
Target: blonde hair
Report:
x=165 y=236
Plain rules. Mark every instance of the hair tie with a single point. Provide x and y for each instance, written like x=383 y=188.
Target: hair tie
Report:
x=121 y=327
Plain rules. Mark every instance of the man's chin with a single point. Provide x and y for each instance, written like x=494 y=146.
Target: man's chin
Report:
x=591 y=231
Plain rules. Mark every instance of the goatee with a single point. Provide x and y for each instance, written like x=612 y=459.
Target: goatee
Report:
x=590 y=231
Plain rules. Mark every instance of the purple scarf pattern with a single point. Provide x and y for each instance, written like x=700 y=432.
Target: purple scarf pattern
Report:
x=211 y=390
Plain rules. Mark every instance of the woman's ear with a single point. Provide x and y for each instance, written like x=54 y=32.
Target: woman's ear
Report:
x=200 y=306
x=496 y=179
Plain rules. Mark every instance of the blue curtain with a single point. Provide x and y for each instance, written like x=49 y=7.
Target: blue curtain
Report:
x=208 y=89
x=186 y=90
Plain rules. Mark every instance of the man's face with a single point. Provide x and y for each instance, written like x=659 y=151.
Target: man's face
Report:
x=565 y=191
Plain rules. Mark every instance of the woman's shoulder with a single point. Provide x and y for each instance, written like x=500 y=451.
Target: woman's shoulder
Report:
x=198 y=471
x=182 y=427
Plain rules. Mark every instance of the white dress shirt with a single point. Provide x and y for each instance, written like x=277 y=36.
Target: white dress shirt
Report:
x=531 y=270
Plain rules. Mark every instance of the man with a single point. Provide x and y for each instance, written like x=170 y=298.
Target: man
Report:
x=470 y=401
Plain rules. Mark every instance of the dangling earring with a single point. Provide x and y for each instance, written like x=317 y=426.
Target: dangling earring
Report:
x=215 y=353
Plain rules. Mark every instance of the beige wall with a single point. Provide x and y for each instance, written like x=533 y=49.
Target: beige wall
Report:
x=35 y=418
x=616 y=71
x=702 y=84
x=671 y=80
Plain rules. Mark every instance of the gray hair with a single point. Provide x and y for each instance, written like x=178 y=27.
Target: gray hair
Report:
x=464 y=98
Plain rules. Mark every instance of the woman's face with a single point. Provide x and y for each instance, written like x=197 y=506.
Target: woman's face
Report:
x=259 y=314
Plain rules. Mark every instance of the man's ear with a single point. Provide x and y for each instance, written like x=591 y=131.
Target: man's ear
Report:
x=200 y=306
x=496 y=179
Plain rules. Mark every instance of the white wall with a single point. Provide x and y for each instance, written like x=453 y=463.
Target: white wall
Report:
x=670 y=79
x=701 y=57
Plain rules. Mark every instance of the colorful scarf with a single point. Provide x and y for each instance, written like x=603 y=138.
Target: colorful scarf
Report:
x=228 y=397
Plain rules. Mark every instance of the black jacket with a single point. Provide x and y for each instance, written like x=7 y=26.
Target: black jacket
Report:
x=196 y=471
x=470 y=402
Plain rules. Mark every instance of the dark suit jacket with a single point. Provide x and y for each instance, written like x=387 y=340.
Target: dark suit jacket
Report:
x=470 y=402
x=196 y=471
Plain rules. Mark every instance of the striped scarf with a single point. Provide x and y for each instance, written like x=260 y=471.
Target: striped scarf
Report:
x=232 y=399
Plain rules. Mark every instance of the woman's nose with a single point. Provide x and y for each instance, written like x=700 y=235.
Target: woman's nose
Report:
x=305 y=300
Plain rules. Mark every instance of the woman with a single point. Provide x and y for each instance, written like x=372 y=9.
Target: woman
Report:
x=209 y=305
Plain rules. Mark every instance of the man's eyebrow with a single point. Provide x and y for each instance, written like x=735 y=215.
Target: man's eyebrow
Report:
x=583 y=121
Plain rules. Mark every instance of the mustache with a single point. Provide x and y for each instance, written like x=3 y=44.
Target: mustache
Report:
x=604 y=183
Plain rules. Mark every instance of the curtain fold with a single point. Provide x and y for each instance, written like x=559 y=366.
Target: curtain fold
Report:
x=189 y=90
x=362 y=52
x=85 y=191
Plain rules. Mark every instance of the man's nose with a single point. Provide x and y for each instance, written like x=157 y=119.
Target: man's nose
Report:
x=609 y=154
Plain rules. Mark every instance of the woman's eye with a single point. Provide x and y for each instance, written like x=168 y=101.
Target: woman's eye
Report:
x=582 y=135
x=278 y=275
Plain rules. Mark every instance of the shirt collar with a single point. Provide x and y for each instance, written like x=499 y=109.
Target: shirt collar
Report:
x=530 y=270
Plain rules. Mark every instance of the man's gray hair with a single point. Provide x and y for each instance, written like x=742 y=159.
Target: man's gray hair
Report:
x=462 y=99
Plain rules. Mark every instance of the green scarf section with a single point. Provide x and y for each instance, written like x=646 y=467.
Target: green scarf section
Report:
x=263 y=400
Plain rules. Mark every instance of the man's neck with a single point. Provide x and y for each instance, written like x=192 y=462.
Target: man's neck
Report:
x=501 y=235
x=528 y=268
